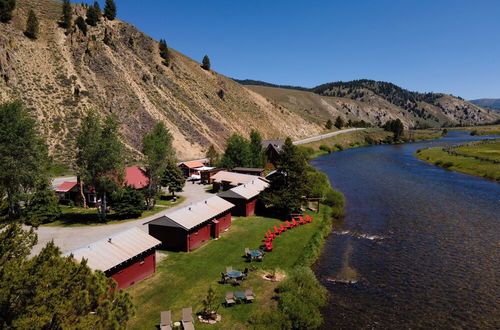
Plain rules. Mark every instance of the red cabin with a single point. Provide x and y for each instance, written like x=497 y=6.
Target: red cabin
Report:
x=128 y=257
x=188 y=228
x=244 y=197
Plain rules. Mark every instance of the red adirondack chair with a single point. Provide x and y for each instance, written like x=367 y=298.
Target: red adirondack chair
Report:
x=308 y=218
x=270 y=233
x=277 y=231
x=302 y=221
x=283 y=228
x=269 y=247
x=288 y=225
x=294 y=223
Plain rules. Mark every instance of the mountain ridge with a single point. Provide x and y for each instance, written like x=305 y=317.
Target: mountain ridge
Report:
x=486 y=102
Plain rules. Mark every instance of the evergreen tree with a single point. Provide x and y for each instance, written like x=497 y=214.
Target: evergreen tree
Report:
x=6 y=9
x=287 y=190
x=42 y=207
x=212 y=155
x=67 y=15
x=80 y=22
x=93 y=13
x=52 y=292
x=164 y=52
x=23 y=156
x=237 y=153
x=257 y=153
x=100 y=157
x=329 y=124
x=32 y=27
x=110 y=10
x=339 y=122
x=173 y=178
x=158 y=152
x=127 y=203
x=396 y=127
x=205 y=64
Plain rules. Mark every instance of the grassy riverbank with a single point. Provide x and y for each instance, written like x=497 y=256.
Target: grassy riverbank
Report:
x=369 y=136
x=182 y=279
x=462 y=158
x=480 y=130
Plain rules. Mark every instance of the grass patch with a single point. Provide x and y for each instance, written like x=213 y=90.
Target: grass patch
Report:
x=467 y=165
x=182 y=279
x=79 y=216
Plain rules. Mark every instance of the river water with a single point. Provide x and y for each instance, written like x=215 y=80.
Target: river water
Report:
x=419 y=245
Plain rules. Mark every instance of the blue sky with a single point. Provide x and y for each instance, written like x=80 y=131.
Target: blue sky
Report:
x=450 y=46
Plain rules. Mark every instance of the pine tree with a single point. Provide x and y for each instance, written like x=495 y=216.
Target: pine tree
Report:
x=257 y=153
x=6 y=9
x=32 y=25
x=212 y=155
x=67 y=15
x=110 y=10
x=93 y=14
x=173 y=178
x=339 y=122
x=205 y=64
x=158 y=152
x=42 y=207
x=80 y=22
x=164 y=52
x=127 y=203
x=329 y=124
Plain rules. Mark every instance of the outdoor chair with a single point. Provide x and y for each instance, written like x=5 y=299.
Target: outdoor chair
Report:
x=187 y=318
x=277 y=231
x=166 y=320
x=229 y=269
x=260 y=258
x=247 y=251
x=288 y=225
x=249 y=296
x=294 y=223
x=234 y=281
x=230 y=299
x=308 y=218
x=282 y=227
x=302 y=221
x=224 y=277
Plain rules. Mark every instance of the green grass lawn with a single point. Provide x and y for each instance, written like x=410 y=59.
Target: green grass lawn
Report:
x=488 y=151
x=462 y=164
x=182 y=279
x=78 y=216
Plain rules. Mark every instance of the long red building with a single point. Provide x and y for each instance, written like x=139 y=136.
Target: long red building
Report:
x=187 y=228
x=128 y=257
x=245 y=197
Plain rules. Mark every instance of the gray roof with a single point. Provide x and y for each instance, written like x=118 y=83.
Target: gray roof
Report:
x=233 y=178
x=114 y=250
x=248 y=169
x=277 y=144
x=194 y=214
x=246 y=191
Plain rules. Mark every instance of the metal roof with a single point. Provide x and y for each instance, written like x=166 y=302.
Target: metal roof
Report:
x=136 y=177
x=233 y=178
x=246 y=191
x=193 y=164
x=248 y=169
x=194 y=214
x=277 y=144
x=66 y=186
x=114 y=250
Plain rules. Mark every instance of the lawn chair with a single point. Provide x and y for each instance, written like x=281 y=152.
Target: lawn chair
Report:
x=229 y=269
x=224 y=277
x=234 y=281
x=270 y=233
x=187 y=318
x=269 y=247
x=277 y=231
x=302 y=221
x=166 y=320
x=308 y=218
x=295 y=223
x=282 y=227
x=249 y=296
x=288 y=225
x=230 y=299
x=261 y=257
x=247 y=251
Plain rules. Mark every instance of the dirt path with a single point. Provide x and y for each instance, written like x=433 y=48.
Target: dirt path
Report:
x=70 y=238
x=324 y=136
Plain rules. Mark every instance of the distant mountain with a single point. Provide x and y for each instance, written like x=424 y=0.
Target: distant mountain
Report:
x=487 y=103
x=266 y=84
x=376 y=102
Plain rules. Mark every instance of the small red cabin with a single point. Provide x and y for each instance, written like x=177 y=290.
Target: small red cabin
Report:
x=244 y=197
x=190 y=168
x=188 y=228
x=128 y=257
x=226 y=180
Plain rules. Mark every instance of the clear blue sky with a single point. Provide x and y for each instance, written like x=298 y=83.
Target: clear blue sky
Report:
x=450 y=46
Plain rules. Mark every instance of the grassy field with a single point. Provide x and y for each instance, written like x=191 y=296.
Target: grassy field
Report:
x=78 y=216
x=468 y=165
x=182 y=279
x=481 y=130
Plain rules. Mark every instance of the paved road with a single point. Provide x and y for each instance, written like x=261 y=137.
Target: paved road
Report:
x=324 y=136
x=70 y=238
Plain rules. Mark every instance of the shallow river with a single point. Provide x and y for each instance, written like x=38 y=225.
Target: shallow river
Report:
x=419 y=246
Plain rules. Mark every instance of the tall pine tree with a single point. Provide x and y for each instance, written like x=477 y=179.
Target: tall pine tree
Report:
x=257 y=153
x=6 y=9
x=164 y=52
x=32 y=27
x=67 y=15
x=110 y=10
x=93 y=13
x=205 y=63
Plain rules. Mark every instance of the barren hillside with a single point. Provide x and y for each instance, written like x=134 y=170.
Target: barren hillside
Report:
x=59 y=77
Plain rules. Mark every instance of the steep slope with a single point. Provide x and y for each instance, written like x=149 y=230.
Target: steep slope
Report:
x=59 y=77
x=375 y=102
x=489 y=103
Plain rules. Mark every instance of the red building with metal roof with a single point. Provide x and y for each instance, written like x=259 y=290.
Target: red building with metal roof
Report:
x=188 y=228
x=244 y=197
x=128 y=257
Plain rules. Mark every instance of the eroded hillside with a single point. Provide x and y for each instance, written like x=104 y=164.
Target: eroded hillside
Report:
x=60 y=76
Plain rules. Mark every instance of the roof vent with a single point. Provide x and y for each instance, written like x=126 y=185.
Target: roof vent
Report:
x=109 y=240
x=189 y=208
x=205 y=201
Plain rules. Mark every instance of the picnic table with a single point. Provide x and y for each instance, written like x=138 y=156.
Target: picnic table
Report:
x=255 y=253
x=239 y=295
x=234 y=274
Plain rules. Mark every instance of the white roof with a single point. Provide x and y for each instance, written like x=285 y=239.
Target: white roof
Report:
x=247 y=190
x=114 y=250
x=196 y=213
x=233 y=177
x=203 y=168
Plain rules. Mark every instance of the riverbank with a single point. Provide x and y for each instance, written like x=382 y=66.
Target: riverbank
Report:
x=480 y=130
x=182 y=279
x=366 y=137
x=480 y=158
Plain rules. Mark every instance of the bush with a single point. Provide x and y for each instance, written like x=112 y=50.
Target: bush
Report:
x=318 y=183
x=325 y=148
x=339 y=147
x=42 y=207
x=336 y=200
x=301 y=297
x=306 y=151
x=447 y=164
x=369 y=140
x=438 y=162
x=128 y=203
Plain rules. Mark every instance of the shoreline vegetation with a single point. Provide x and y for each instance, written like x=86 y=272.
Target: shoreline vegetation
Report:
x=478 y=158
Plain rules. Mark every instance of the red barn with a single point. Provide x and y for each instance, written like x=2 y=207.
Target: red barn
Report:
x=189 y=168
x=128 y=257
x=244 y=197
x=188 y=228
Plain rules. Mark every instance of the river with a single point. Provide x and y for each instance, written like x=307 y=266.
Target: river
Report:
x=419 y=245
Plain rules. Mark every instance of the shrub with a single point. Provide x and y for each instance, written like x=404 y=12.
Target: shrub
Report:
x=438 y=162
x=128 y=203
x=447 y=164
x=336 y=200
x=42 y=207
x=339 y=147
x=325 y=148
x=369 y=140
